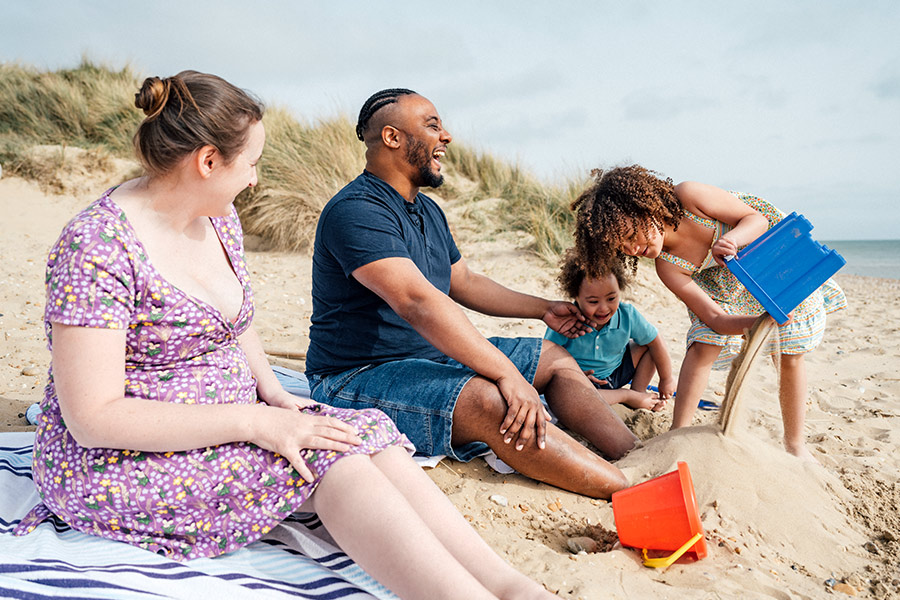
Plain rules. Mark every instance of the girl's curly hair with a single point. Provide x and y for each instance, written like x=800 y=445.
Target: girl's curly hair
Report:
x=572 y=273
x=604 y=210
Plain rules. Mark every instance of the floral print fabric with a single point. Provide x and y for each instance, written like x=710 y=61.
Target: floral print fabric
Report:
x=189 y=504
x=803 y=334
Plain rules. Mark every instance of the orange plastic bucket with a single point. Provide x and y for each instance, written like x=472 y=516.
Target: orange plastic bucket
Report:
x=660 y=514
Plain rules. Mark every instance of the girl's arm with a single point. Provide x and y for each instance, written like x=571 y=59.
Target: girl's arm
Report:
x=679 y=281
x=715 y=203
x=89 y=375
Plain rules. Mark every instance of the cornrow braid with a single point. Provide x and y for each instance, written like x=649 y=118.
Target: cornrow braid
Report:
x=376 y=102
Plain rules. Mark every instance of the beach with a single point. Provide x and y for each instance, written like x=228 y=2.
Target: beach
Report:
x=775 y=527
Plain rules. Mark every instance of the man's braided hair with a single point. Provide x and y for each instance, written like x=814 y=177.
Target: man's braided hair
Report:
x=376 y=102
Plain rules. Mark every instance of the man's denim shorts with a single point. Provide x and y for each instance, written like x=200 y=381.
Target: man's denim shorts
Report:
x=420 y=394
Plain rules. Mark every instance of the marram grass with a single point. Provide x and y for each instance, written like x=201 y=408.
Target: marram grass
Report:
x=303 y=165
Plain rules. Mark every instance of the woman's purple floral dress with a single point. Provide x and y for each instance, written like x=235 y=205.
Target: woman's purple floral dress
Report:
x=202 y=502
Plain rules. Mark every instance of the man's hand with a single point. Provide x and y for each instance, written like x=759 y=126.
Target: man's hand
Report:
x=526 y=416
x=565 y=318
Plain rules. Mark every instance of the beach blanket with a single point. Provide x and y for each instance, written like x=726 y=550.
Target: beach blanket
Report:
x=297 y=559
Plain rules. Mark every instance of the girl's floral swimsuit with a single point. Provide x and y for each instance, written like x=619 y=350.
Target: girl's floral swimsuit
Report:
x=179 y=349
x=801 y=335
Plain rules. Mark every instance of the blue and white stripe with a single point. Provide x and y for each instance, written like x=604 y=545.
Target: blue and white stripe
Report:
x=297 y=559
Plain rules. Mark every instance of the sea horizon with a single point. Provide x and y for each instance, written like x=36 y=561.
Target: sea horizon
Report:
x=869 y=258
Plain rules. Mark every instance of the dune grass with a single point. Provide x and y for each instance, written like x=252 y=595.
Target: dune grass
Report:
x=91 y=107
x=528 y=203
x=301 y=169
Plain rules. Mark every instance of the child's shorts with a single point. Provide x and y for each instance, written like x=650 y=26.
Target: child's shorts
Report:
x=623 y=374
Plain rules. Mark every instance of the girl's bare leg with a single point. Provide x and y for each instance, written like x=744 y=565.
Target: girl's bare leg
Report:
x=453 y=531
x=692 y=381
x=792 y=396
x=375 y=525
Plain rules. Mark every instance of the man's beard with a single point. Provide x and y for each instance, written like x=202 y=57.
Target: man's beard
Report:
x=418 y=156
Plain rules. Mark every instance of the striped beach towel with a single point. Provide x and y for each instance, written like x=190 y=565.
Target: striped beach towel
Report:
x=297 y=559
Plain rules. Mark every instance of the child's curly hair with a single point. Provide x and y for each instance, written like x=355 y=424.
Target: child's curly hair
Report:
x=618 y=194
x=572 y=273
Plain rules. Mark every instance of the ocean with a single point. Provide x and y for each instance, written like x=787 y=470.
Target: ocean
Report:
x=870 y=258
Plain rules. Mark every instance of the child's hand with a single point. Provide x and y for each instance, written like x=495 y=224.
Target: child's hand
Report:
x=722 y=248
x=590 y=375
x=667 y=387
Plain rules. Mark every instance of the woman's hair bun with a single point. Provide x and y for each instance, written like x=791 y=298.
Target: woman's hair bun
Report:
x=188 y=111
x=152 y=96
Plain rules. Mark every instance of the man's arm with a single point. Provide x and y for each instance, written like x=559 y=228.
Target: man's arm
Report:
x=480 y=293
x=439 y=320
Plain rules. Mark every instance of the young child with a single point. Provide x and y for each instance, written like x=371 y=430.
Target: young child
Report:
x=623 y=347
x=689 y=229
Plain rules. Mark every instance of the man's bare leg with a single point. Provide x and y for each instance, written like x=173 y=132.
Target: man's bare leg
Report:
x=574 y=401
x=563 y=463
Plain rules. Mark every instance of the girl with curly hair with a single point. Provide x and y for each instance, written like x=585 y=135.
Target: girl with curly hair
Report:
x=689 y=229
x=623 y=347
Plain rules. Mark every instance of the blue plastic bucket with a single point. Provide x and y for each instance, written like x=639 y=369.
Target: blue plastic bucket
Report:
x=782 y=267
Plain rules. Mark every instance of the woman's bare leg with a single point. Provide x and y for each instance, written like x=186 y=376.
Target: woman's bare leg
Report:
x=453 y=531
x=375 y=525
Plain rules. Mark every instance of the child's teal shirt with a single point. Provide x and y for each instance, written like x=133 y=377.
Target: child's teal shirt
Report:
x=602 y=350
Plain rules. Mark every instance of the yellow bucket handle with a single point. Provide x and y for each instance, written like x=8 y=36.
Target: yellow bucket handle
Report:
x=665 y=561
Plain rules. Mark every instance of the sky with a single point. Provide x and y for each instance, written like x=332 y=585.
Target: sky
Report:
x=797 y=102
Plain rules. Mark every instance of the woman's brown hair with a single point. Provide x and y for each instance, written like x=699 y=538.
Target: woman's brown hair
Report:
x=188 y=111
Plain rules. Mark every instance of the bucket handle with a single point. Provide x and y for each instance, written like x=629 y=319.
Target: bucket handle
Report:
x=665 y=561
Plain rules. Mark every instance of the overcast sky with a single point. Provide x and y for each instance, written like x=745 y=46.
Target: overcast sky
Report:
x=798 y=102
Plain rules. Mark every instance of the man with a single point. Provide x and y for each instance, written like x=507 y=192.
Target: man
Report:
x=387 y=331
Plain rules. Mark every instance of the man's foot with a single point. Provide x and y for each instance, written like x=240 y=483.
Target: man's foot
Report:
x=647 y=400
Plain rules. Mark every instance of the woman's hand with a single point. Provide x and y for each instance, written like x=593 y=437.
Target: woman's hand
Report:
x=287 y=432
x=284 y=399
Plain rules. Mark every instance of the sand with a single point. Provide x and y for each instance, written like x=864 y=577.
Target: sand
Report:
x=776 y=527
